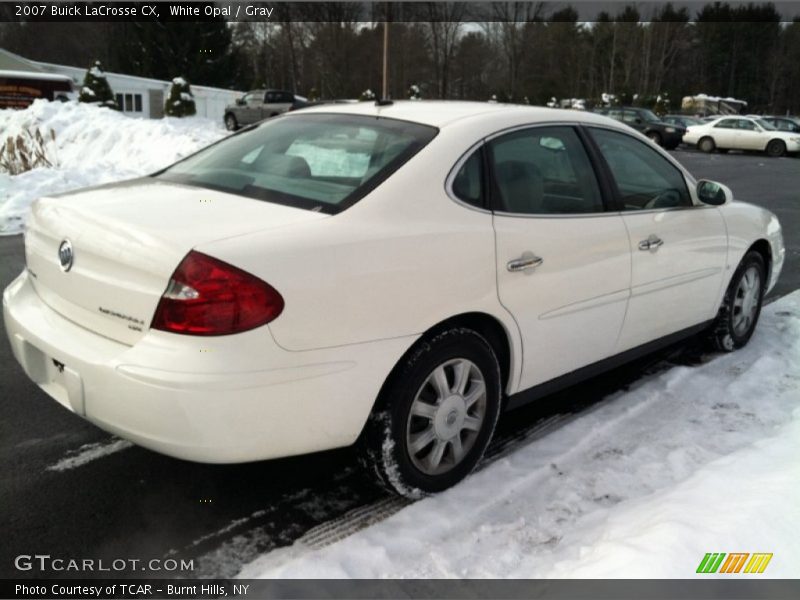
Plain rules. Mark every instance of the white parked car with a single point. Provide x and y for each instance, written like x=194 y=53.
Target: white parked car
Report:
x=742 y=133
x=391 y=275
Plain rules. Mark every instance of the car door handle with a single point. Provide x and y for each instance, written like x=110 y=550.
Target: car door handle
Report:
x=653 y=242
x=527 y=261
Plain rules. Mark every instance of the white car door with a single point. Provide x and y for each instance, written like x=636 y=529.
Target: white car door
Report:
x=749 y=136
x=724 y=133
x=678 y=247
x=563 y=260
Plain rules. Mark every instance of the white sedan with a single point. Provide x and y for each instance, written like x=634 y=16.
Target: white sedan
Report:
x=394 y=275
x=742 y=133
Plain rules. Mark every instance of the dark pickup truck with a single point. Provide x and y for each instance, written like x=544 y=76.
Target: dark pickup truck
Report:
x=664 y=134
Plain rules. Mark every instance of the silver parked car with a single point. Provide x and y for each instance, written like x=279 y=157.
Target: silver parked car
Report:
x=258 y=105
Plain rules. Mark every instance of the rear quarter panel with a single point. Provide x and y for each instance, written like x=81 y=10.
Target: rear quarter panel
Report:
x=398 y=262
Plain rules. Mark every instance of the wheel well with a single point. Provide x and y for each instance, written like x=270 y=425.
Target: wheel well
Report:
x=486 y=325
x=490 y=328
x=763 y=248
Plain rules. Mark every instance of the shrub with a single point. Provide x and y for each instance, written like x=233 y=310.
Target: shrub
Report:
x=95 y=89
x=180 y=102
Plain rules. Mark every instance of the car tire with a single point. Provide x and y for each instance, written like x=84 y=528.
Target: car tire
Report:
x=741 y=307
x=425 y=434
x=655 y=137
x=706 y=145
x=231 y=124
x=776 y=148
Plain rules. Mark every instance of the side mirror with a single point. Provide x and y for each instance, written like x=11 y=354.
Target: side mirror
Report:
x=638 y=121
x=713 y=193
x=240 y=101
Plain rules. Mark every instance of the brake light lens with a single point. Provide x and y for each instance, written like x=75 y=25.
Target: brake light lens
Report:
x=206 y=296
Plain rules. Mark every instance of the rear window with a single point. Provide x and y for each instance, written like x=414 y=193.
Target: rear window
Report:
x=321 y=162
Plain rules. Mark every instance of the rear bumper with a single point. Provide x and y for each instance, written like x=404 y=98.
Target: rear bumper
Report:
x=219 y=400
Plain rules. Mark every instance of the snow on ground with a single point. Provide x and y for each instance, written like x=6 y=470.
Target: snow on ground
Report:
x=89 y=452
x=689 y=461
x=92 y=146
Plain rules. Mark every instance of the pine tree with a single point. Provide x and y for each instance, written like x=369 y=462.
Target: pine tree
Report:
x=180 y=102
x=95 y=89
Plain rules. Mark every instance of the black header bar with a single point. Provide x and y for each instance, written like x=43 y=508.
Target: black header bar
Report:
x=321 y=11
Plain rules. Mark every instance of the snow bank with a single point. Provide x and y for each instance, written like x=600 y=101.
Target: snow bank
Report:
x=691 y=460
x=92 y=146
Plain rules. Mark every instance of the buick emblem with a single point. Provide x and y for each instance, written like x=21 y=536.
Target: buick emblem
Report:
x=65 y=255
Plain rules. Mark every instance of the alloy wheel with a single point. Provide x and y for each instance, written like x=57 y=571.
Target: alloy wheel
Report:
x=746 y=300
x=446 y=416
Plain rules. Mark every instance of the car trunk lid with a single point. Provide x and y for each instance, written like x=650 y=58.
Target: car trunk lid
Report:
x=126 y=241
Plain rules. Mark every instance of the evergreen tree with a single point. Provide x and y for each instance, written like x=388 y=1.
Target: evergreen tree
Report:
x=180 y=102
x=95 y=89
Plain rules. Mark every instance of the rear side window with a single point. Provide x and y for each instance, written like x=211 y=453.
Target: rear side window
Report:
x=543 y=171
x=644 y=178
x=468 y=181
x=318 y=162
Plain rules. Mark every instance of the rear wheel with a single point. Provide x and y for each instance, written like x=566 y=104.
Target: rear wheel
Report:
x=706 y=145
x=741 y=307
x=776 y=148
x=436 y=415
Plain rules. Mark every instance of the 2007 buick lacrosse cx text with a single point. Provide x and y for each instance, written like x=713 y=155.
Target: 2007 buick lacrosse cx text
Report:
x=387 y=274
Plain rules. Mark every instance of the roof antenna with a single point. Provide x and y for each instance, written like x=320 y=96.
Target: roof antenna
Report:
x=383 y=102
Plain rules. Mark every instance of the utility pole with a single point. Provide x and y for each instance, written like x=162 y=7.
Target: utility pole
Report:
x=385 y=93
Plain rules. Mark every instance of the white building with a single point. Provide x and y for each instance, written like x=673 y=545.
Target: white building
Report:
x=137 y=96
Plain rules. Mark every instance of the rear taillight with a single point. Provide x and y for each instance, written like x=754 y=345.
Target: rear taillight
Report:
x=209 y=297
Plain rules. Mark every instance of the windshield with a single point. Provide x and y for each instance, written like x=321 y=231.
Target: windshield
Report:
x=765 y=125
x=321 y=162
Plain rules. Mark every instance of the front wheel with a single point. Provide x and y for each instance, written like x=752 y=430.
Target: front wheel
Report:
x=655 y=137
x=741 y=307
x=436 y=415
x=776 y=148
x=230 y=122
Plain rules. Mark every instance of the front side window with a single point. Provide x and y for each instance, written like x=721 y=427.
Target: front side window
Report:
x=318 y=162
x=544 y=171
x=645 y=179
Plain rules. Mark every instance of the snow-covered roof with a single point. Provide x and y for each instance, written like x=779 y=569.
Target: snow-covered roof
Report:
x=34 y=75
x=716 y=99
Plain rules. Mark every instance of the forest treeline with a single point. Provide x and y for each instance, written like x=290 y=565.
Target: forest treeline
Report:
x=515 y=51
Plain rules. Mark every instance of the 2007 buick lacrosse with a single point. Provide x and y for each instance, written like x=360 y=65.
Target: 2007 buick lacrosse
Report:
x=391 y=275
